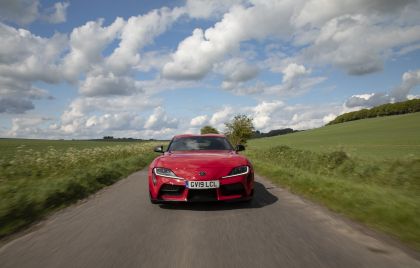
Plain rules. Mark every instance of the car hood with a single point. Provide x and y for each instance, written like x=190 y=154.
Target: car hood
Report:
x=189 y=164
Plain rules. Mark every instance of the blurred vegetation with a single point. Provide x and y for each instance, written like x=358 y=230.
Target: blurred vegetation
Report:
x=208 y=130
x=239 y=129
x=340 y=167
x=8 y=147
x=34 y=182
x=405 y=107
x=275 y=132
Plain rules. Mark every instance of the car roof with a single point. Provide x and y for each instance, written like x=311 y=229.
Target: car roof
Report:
x=197 y=135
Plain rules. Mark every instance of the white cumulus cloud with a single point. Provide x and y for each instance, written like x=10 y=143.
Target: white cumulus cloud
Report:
x=58 y=13
x=159 y=120
x=410 y=80
x=263 y=111
x=102 y=85
x=219 y=118
x=358 y=45
x=27 y=11
x=294 y=71
x=137 y=33
x=86 y=45
x=236 y=71
x=197 y=54
x=199 y=120
x=204 y=9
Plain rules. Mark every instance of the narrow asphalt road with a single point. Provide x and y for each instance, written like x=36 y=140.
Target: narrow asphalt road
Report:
x=118 y=227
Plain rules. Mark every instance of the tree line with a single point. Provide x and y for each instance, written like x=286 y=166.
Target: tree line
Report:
x=241 y=128
x=405 y=107
x=275 y=132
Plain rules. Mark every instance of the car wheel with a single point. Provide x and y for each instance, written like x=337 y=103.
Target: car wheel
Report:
x=249 y=199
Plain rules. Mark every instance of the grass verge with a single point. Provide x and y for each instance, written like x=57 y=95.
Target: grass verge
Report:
x=382 y=194
x=379 y=138
x=33 y=184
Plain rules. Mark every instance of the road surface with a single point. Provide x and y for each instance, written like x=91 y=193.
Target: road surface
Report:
x=118 y=227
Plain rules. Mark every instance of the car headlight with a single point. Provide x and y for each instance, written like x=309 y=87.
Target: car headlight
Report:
x=165 y=172
x=241 y=170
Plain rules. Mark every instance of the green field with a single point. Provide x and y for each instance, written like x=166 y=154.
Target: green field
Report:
x=39 y=176
x=375 y=138
x=8 y=147
x=368 y=170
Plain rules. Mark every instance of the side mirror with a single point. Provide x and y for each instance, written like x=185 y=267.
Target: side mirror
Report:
x=239 y=148
x=159 y=149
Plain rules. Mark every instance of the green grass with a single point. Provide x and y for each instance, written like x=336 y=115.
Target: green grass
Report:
x=376 y=138
x=8 y=147
x=359 y=169
x=37 y=177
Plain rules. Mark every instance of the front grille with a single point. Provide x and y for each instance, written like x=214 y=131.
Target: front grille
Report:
x=169 y=189
x=202 y=195
x=232 y=189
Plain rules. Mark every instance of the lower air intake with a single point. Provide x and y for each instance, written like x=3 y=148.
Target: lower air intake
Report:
x=204 y=195
x=232 y=189
x=169 y=189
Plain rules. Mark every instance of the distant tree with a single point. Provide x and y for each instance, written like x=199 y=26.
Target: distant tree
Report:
x=108 y=137
x=208 y=130
x=239 y=130
x=409 y=106
x=274 y=132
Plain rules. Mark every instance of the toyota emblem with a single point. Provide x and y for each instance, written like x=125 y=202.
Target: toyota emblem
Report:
x=202 y=173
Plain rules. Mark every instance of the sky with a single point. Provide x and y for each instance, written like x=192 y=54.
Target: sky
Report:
x=154 y=69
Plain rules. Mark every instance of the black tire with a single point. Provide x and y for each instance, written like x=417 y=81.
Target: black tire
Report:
x=251 y=196
x=247 y=201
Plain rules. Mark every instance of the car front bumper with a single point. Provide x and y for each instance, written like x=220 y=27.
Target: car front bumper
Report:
x=164 y=189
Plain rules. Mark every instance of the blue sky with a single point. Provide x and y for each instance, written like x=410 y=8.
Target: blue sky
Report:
x=153 y=69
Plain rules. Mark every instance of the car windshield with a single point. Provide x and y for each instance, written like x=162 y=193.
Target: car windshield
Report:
x=199 y=143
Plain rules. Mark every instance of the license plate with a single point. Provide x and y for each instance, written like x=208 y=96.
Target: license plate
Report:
x=202 y=184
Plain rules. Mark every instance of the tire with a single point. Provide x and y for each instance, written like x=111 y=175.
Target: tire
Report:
x=247 y=201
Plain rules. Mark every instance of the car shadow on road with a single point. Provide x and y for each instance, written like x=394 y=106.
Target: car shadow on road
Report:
x=262 y=198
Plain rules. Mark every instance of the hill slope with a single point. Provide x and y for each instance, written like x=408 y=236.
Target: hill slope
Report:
x=378 y=138
x=368 y=170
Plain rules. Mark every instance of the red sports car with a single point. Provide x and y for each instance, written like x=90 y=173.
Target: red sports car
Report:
x=200 y=168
